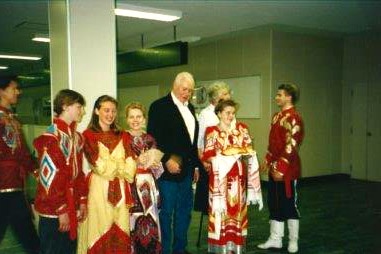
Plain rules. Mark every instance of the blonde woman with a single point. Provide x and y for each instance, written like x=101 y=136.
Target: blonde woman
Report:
x=144 y=215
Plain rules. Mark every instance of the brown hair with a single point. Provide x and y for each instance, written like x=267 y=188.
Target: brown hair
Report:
x=135 y=105
x=5 y=81
x=291 y=90
x=94 y=121
x=222 y=104
x=66 y=97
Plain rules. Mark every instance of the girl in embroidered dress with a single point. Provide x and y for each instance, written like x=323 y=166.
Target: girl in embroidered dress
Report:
x=233 y=181
x=107 y=149
x=144 y=220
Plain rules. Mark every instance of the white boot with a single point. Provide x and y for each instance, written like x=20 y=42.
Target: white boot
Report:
x=293 y=235
x=276 y=234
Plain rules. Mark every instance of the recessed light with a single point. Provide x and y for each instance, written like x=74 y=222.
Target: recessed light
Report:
x=41 y=38
x=134 y=11
x=20 y=57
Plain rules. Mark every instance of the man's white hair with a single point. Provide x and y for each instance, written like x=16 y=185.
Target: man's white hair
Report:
x=183 y=76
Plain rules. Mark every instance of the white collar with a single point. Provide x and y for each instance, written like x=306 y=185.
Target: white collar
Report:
x=178 y=102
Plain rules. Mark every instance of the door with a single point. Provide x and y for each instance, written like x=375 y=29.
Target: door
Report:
x=366 y=131
x=358 y=129
x=374 y=133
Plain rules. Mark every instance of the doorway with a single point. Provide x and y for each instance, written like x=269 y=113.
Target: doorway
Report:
x=366 y=131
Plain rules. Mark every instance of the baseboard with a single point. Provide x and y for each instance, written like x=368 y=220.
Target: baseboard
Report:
x=319 y=179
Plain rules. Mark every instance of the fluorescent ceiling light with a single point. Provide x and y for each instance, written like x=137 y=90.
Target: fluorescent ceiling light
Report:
x=134 y=11
x=30 y=77
x=33 y=58
x=41 y=38
x=3 y=67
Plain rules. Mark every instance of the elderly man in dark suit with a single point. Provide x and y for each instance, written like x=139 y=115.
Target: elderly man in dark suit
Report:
x=172 y=122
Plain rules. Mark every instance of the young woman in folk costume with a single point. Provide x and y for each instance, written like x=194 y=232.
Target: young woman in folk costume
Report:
x=61 y=189
x=107 y=149
x=144 y=218
x=233 y=181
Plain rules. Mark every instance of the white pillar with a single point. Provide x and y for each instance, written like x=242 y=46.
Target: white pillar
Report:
x=83 y=49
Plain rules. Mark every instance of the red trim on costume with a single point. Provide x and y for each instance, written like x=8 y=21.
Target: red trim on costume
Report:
x=114 y=241
x=72 y=213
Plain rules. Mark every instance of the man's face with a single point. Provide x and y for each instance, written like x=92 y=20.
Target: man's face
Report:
x=183 y=90
x=282 y=98
x=10 y=94
x=75 y=112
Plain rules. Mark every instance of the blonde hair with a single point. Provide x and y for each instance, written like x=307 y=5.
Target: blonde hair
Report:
x=215 y=89
x=135 y=105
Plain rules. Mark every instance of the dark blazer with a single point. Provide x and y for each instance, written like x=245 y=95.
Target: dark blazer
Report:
x=167 y=126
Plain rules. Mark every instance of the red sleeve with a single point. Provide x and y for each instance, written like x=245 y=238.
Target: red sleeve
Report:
x=55 y=183
x=80 y=183
x=28 y=164
x=211 y=135
x=293 y=126
x=269 y=157
x=247 y=140
x=90 y=146
x=127 y=145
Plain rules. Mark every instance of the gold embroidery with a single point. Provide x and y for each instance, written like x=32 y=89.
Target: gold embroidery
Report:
x=283 y=120
x=288 y=148
x=292 y=128
x=285 y=160
x=295 y=129
x=276 y=117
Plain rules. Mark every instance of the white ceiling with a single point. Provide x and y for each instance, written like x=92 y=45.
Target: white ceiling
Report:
x=20 y=20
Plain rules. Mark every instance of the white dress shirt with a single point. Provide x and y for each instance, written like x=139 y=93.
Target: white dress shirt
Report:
x=206 y=119
x=187 y=116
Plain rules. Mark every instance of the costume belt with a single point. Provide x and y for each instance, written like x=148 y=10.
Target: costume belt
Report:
x=143 y=171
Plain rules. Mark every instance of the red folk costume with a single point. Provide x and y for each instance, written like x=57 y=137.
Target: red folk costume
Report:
x=144 y=218
x=15 y=159
x=233 y=184
x=106 y=228
x=61 y=187
x=286 y=135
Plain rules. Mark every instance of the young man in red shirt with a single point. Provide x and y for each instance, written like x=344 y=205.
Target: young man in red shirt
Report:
x=283 y=162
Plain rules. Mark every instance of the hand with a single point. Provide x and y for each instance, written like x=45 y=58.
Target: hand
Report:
x=82 y=212
x=207 y=166
x=263 y=168
x=172 y=166
x=142 y=159
x=196 y=175
x=276 y=175
x=64 y=222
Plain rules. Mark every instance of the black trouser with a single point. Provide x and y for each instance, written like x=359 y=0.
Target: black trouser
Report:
x=14 y=211
x=52 y=240
x=282 y=208
x=201 y=196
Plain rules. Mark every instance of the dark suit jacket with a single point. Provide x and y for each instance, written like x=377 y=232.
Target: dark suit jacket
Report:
x=167 y=126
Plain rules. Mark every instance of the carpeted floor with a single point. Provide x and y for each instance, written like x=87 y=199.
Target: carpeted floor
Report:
x=339 y=215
